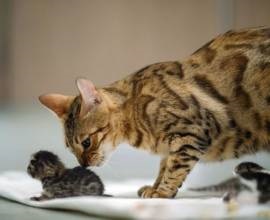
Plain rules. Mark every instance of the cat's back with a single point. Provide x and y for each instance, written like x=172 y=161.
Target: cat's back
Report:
x=233 y=62
x=229 y=76
x=234 y=70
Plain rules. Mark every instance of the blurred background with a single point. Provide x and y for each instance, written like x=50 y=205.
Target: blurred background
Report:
x=46 y=44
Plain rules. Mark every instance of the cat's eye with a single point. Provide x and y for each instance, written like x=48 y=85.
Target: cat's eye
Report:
x=86 y=143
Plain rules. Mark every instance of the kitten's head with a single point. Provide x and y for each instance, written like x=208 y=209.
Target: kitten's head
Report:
x=87 y=122
x=45 y=164
x=245 y=167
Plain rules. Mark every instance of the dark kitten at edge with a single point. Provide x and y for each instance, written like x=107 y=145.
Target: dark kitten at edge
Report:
x=60 y=182
x=249 y=177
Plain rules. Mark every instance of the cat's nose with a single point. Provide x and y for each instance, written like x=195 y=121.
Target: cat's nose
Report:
x=83 y=163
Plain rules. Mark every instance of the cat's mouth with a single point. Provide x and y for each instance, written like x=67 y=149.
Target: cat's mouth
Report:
x=93 y=160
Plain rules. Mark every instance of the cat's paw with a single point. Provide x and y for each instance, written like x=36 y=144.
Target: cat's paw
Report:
x=142 y=189
x=151 y=192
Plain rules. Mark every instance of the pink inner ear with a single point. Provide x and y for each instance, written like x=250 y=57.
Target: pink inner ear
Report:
x=89 y=94
x=56 y=102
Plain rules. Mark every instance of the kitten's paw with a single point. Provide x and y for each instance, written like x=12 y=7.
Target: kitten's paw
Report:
x=229 y=196
x=39 y=198
x=151 y=192
x=36 y=198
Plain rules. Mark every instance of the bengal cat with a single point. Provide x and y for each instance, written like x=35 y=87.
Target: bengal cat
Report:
x=214 y=105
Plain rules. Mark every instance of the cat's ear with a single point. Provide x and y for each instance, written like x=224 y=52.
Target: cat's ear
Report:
x=57 y=103
x=89 y=94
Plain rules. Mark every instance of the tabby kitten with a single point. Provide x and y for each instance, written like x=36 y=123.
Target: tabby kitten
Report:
x=213 y=105
x=59 y=182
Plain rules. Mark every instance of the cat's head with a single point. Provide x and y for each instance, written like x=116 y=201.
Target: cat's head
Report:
x=86 y=120
x=45 y=164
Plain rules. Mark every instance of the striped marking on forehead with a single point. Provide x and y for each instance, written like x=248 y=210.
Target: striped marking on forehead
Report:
x=72 y=122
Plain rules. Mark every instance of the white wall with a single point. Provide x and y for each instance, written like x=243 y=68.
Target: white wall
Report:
x=53 y=42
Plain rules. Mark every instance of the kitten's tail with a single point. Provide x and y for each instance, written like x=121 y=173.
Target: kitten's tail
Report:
x=222 y=187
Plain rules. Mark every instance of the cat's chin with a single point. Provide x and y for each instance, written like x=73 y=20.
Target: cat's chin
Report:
x=100 y=164
x=96 y=163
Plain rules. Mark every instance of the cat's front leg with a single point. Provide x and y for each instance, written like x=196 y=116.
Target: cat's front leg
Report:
x=178 y=164
x=158 y=179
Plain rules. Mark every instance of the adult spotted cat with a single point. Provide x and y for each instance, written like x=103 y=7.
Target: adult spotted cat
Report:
x=213 y=105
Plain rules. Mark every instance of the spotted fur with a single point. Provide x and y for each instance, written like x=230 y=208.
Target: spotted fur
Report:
x=211 y=106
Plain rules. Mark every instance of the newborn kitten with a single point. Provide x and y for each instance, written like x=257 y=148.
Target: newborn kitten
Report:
x=59 y=182
x=252 y=182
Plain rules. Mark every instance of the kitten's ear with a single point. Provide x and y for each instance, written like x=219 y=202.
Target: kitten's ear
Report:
x=90 y=96
x=57 y=103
